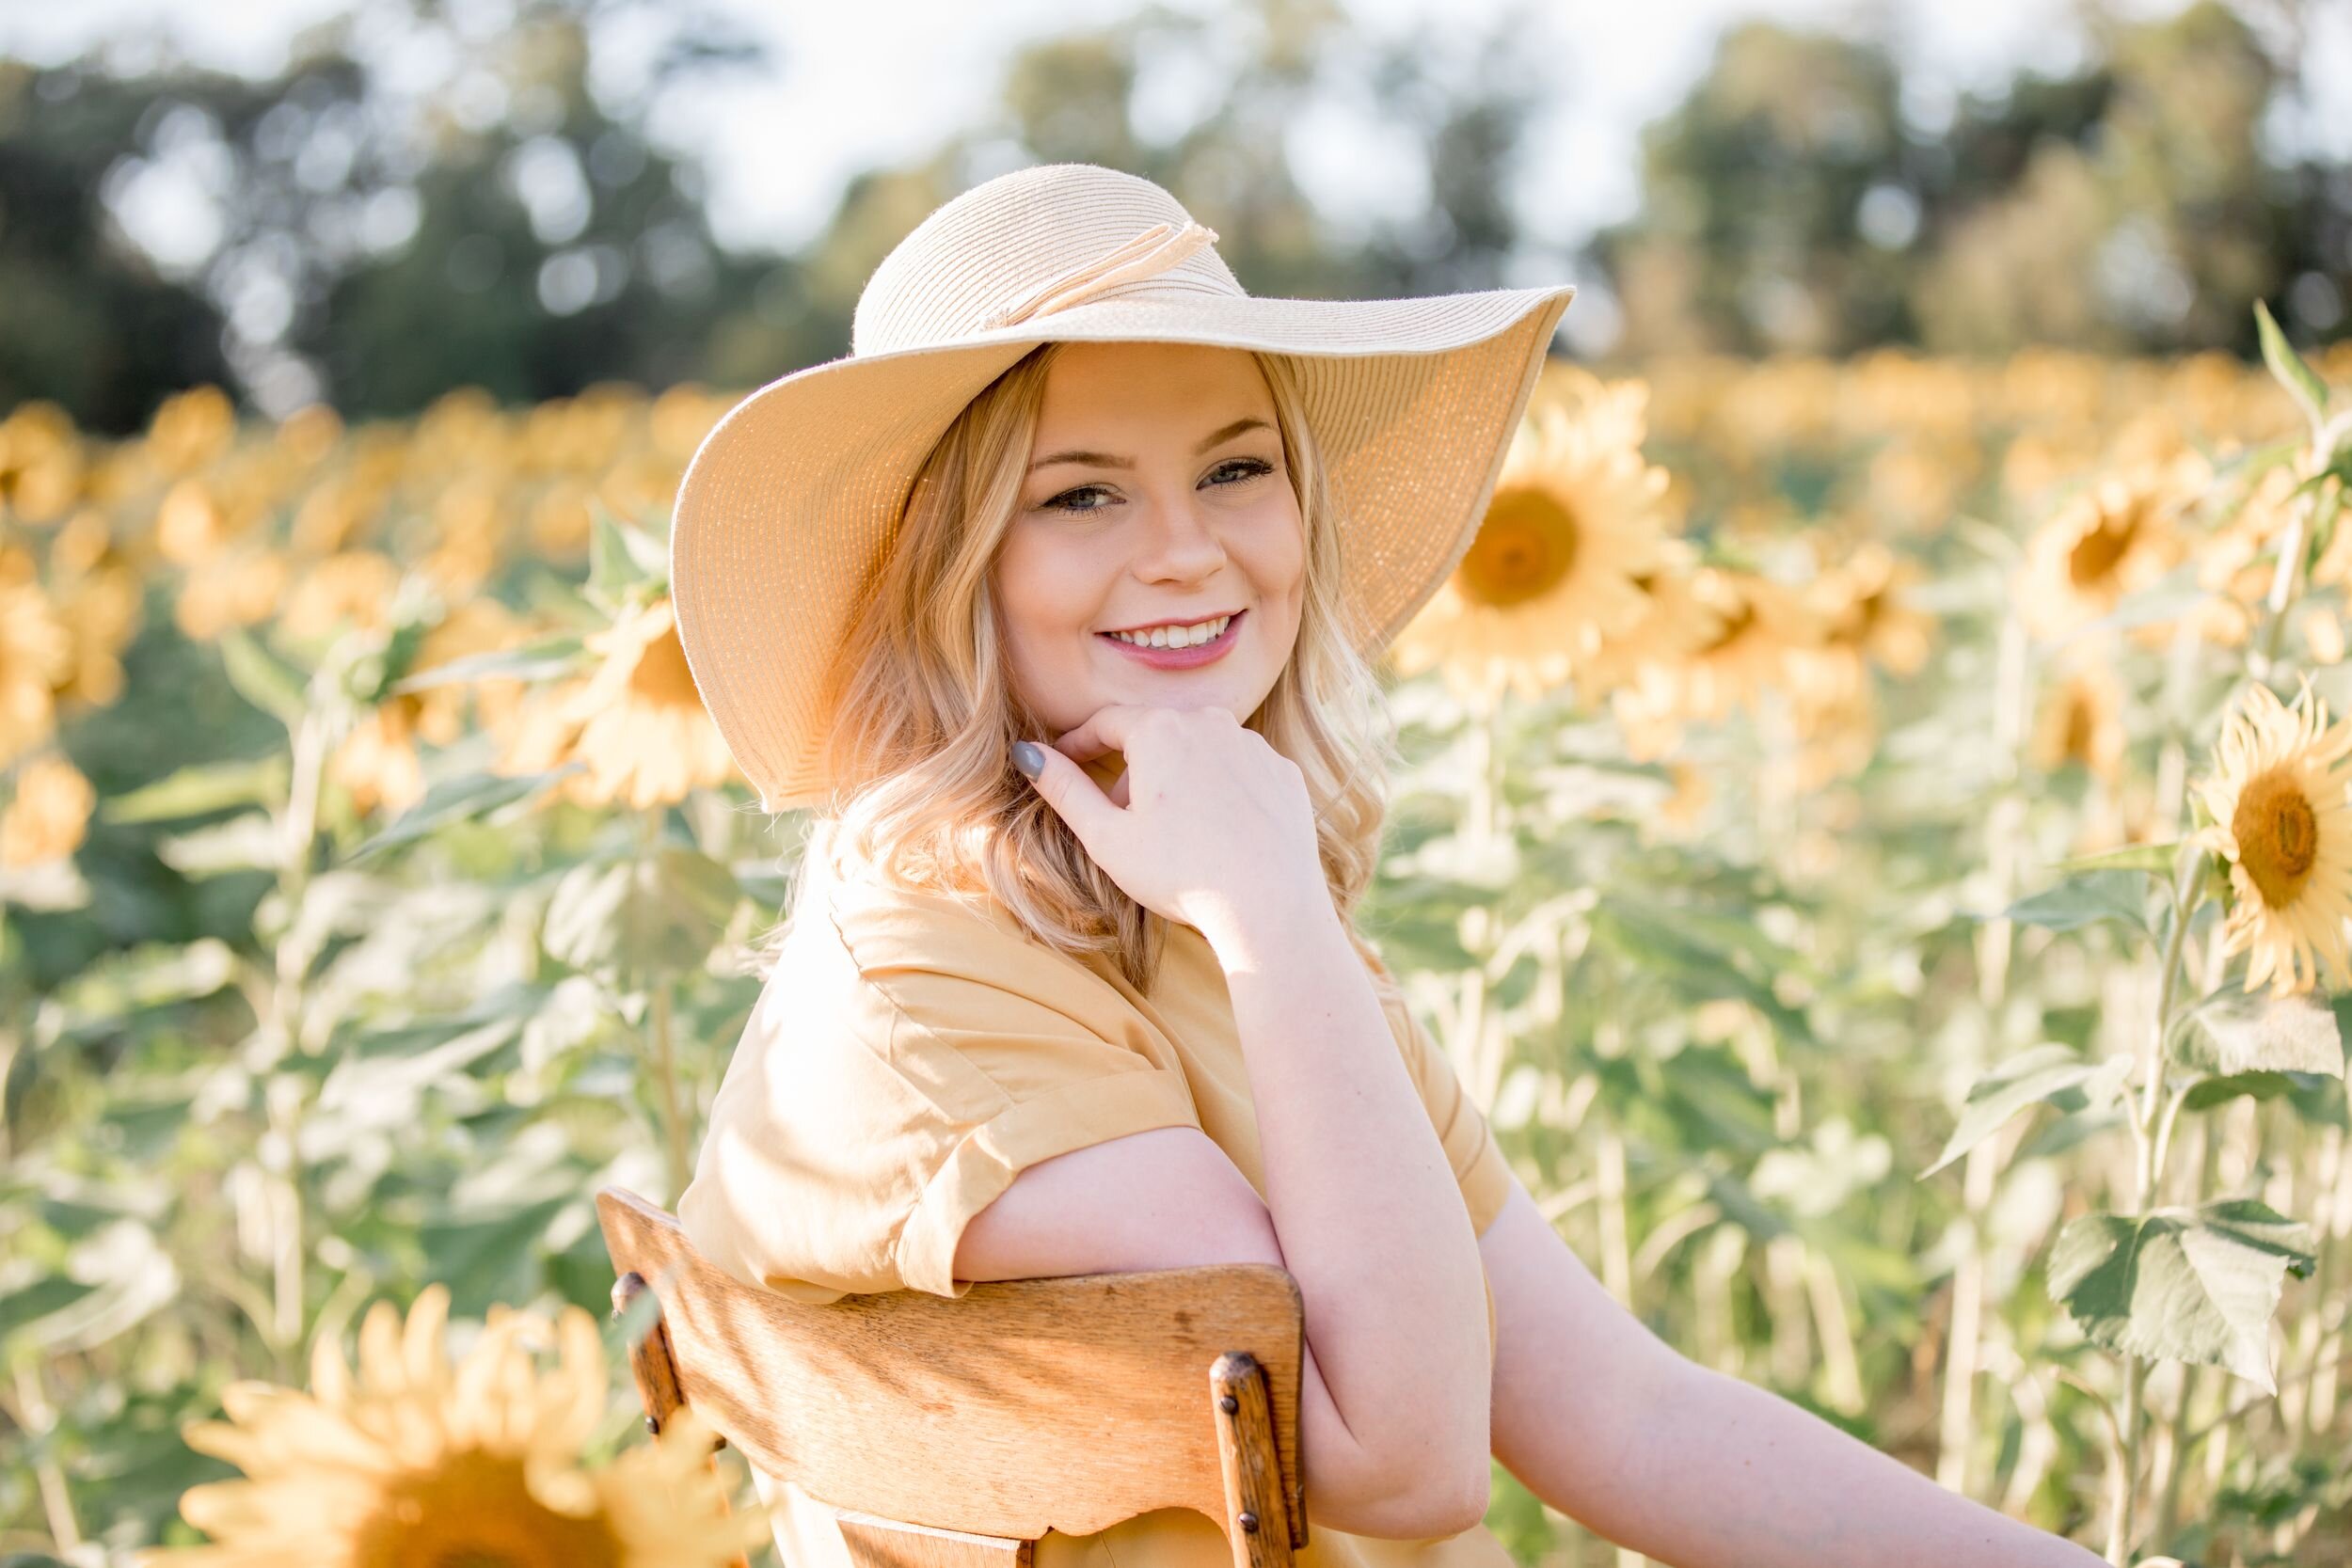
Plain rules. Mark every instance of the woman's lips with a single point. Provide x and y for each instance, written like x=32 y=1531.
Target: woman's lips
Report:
x=1181 y=658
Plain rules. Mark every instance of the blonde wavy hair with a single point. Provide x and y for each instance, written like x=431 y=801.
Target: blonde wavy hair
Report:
x=923 y=792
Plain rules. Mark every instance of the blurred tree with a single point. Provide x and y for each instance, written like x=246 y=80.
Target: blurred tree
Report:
x=1455 y=116
x=506 y=230
x=2153 y=222
x=555 y=246
x=1754 y=190
x=2132 y=206
x=86 y=319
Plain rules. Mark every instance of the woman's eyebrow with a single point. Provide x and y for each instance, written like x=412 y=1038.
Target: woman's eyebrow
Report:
x=1105 y=460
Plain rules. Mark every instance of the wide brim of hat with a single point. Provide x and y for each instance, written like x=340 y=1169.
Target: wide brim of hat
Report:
x=791 y=499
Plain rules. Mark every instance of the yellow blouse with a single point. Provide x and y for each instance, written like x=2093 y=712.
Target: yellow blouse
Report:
x=908 y=1056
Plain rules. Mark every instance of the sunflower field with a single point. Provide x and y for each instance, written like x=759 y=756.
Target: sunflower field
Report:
x=1877 y=840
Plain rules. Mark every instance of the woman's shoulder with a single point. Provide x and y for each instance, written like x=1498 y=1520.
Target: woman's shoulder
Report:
x=915 y=946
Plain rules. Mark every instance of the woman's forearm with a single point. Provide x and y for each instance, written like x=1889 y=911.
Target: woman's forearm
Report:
x=1724 y=1474
x=1368 y=1214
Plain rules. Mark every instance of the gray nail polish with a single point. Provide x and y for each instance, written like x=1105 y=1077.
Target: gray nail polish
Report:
x=1027 y=757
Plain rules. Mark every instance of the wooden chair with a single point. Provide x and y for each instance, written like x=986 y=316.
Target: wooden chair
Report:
x=954 y=1433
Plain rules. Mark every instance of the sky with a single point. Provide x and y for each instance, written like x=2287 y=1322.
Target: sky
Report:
x=860 y=85
x=866 y=84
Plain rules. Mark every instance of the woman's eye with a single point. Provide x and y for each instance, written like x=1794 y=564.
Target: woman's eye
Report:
x=1063 y=502
x=1231 y=471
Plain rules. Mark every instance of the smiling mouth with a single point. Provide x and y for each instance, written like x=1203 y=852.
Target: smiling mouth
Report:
x=1167 y=657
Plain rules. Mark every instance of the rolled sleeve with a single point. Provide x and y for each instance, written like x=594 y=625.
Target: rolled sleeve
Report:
x=985 y=1160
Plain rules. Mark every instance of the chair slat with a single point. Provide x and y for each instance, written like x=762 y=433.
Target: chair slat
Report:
x=876 y=1542
x=1021 y=1407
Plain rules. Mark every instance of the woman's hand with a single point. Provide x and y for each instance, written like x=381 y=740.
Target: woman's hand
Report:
x=1217 y=824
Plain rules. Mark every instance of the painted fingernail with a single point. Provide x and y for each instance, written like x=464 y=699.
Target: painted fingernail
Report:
x=1027 y=757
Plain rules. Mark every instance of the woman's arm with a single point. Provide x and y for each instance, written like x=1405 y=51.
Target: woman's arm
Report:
x=1169 y=1198
x=1218 y=831
x=1601 y=1419
x=1364 y=1203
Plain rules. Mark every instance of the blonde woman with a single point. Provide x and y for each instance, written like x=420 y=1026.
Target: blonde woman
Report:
x=1055 y=601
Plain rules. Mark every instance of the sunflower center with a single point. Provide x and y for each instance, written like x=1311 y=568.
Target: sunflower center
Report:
x=2080 y=725
x=2277 y=836
x=2094 y=559
x=1526 y=545
x=1735 y=626
x=476 y=1511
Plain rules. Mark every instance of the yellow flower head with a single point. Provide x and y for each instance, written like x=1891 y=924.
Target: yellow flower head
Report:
x=1577 y=518
x=378 y=761
x=36 y=658
x=2111 y=540
x=637 y=724
x=2283 y=821
x=1761 y=630
x=50 y=815
x=416 y=1461
x=354 y=589
x=2081 y=721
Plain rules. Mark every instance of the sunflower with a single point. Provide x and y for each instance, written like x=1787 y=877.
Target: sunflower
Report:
x=378 y=761
x=101 y=608
x=1577 y=519
x=2231 y=560
x=36 y=658
x=1760 y=628
x=42 y=470
x=638 y=724
x=1864 y=616
x=2081 y=721
x=418 y=1462
x=238 y=588
x=2282 y=820
x=50 y=815
x=353 y=589
x=2110 y=540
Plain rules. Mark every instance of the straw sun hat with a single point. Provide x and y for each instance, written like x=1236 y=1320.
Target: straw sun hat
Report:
x=792 y=500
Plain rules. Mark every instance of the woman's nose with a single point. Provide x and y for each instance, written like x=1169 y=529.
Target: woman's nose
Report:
x=1179 y=544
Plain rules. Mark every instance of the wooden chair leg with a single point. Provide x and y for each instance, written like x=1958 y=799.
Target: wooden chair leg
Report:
x=656 y=1370
x=1259 y=1520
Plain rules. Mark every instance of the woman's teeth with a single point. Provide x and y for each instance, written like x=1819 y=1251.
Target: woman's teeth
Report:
x=1176 y=636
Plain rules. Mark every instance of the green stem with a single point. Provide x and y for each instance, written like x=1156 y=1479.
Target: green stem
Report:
x=673 y=1115
x=41 y=1420
x=2153 y=1124
x=663 y=1039
x=299 y=836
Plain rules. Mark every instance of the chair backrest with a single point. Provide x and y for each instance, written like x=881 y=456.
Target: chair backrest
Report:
x=953 y=1432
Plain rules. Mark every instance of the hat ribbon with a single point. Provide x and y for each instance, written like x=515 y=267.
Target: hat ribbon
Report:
x=1157 y=249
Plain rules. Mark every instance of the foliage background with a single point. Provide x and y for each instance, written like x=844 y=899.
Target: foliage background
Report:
x=324 y=975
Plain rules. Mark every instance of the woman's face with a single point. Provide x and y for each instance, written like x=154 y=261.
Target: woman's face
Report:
x=1156 y=497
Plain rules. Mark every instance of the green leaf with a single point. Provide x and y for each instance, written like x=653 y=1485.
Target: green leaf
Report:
x=202 y=789
x=2183 y=1285
x=2317 y=1099
x=2299 y=379
x=554 y=655
x=2232 y=1032
x=490 y=1260
x=249 y=840
x=2029 y=1078
x=459 y=799
x=261 y=680
x=50 y=1294
x=2156 y=859
x=651 y=914
x=2084 y=899
x=623 y=558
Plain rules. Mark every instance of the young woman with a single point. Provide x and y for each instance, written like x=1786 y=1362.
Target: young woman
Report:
x=1055 y=598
